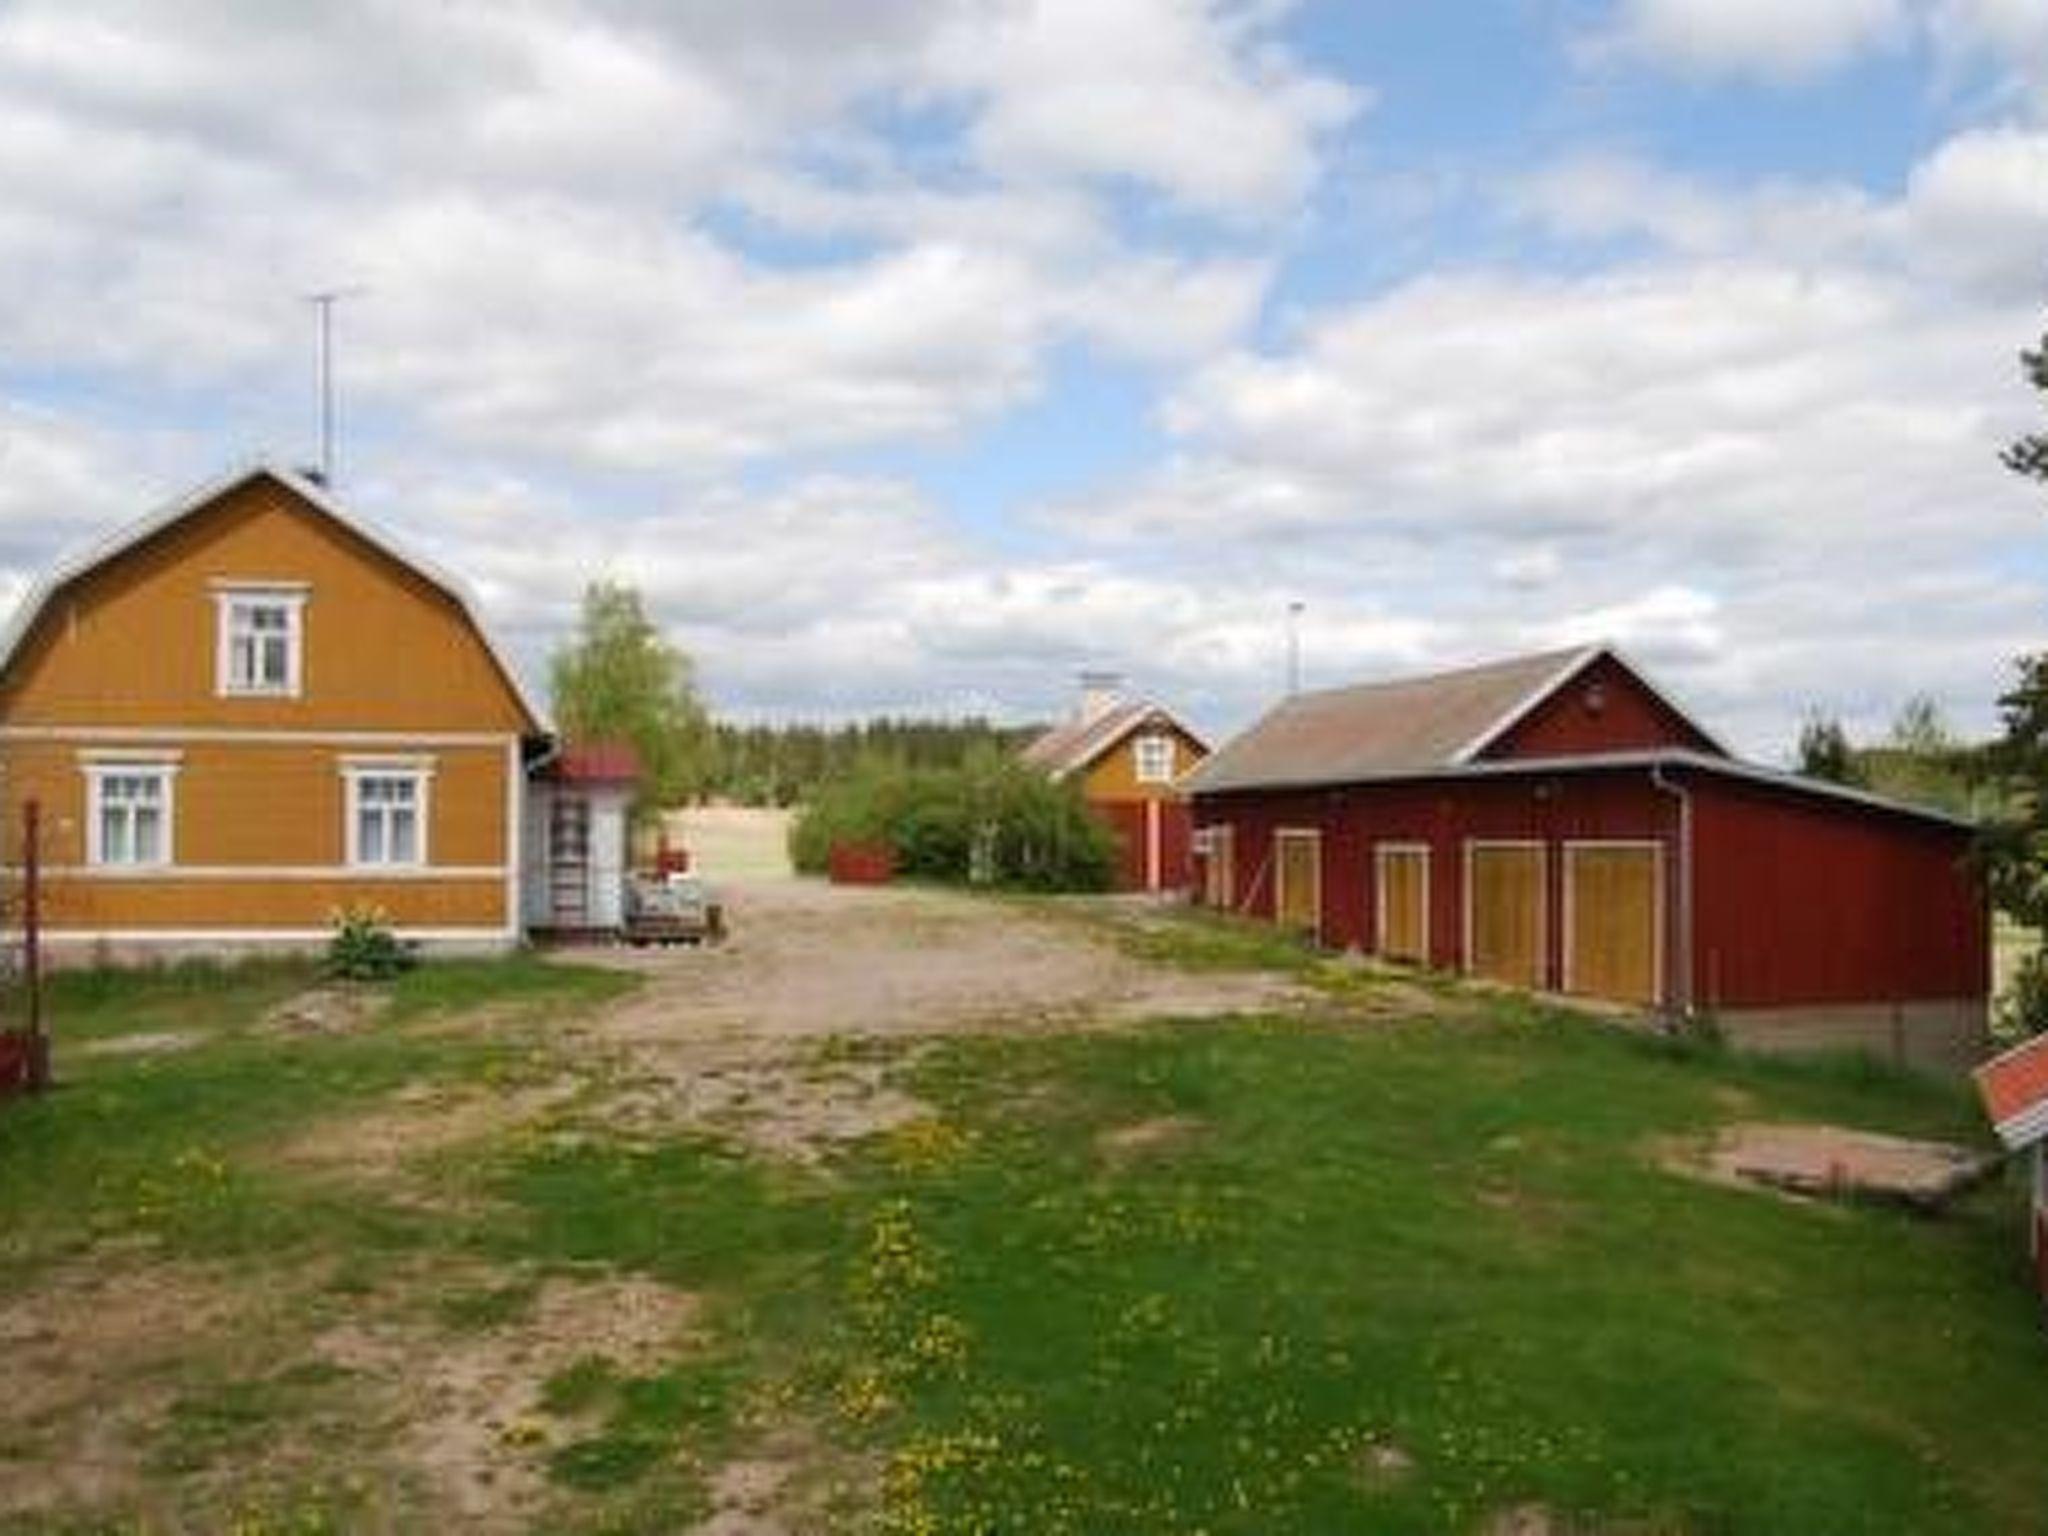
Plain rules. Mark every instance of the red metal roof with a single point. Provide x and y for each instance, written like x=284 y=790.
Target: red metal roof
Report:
x=2014 y=1087
x=596 y=762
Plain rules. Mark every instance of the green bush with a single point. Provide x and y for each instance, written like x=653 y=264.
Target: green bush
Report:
x=364 y=948
x=989 y=822
x=2023 y=1010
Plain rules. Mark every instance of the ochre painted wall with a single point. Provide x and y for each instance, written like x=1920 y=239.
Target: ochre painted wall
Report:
x=241 y=803
x=134 y=643
x=122 y=904
x=1114 y=775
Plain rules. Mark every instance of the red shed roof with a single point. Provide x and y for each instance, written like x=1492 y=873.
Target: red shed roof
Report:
x=1410 y=725
x=596 y=762
x=2014 y=1087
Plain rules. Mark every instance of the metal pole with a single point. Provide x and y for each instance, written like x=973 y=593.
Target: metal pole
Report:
x=323 y=363
x=32 y=944
x=1294 y=648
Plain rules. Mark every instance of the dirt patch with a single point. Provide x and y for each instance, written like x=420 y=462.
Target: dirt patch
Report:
x=148 y=1043
x=1145 y=1138
x=792 y=1035
x=416 y=1122
x=84 y=1364
x=1832 y=1161
x=336 y=1009
x=463 y=1410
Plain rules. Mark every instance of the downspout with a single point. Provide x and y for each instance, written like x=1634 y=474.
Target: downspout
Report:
x=1681 y=993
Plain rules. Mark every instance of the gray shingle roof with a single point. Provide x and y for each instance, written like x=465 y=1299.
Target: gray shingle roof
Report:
x=1409 y=725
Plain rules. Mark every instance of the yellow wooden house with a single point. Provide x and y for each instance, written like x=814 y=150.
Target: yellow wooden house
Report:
x=251 y=709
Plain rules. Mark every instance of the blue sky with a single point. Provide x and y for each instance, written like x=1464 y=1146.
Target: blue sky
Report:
x=915 y=355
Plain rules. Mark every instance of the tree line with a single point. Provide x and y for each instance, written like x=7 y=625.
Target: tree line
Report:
x=619 y=678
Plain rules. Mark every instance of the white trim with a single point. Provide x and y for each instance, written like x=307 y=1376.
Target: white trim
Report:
x=1314 y=835
x=388 y=764
x=1379 y=893
x=1655 y=846
x=124 y=539
x=515 y=843
x=259 y=735
x=422 y=780
x=142 y=757
x=351 y=873
x=250 y=935
x=1474 y=845
x=96 y=773
x=1139 y=743
x=1573 y=666
x=290 y=596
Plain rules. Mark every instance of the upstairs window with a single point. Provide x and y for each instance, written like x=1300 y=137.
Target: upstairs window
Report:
x=1155 y=759
x=128 y=817
x=260 y=640
x=387 y=817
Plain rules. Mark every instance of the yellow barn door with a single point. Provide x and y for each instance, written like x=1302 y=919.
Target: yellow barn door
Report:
x=1505 y=920
x=1219 y=871
x=1614 y=921
x=1403 y=901
x=1298 y=881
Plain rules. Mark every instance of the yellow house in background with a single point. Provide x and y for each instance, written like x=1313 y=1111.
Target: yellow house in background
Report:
x=251 y=709
x=1128 y=755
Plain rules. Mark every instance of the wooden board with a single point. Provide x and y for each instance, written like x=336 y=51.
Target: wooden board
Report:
x=1298 y=881
x=1506 y=921
x=1403 y=903
x=1613 y=924
x=1219 y=870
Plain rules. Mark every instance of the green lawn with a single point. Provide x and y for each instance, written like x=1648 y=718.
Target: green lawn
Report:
x=1257 y=1276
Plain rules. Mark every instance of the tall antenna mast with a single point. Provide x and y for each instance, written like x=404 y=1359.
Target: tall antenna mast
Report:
x=1294 y=648
x=323 y=304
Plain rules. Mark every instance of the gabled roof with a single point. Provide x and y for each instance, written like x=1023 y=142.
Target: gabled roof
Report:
x=1074 y=744
x=84 y=562
x=1438 y=722
x=2014 y=1088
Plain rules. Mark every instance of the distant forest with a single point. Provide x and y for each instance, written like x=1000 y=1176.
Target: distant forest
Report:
x=783 y=764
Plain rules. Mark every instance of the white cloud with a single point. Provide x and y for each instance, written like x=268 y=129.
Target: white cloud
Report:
x=1766 y=39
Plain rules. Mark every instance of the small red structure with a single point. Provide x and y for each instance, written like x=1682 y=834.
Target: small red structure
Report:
x=2014 y=1088
x=861 y=864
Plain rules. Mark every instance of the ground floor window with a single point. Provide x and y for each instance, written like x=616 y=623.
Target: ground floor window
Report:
x=128 y=820
x=387 y=817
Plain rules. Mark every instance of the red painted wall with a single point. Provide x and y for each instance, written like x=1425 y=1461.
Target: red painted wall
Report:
x=1629 y=718
x=1441 y=814
x=1126 y=820
x=1800 y=901
x=1796 y=900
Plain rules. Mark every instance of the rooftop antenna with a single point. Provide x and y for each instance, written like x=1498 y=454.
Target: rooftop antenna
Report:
x=1294 y=648
x=323 y=303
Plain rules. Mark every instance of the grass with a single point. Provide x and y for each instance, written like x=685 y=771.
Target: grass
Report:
x=1384 y=1277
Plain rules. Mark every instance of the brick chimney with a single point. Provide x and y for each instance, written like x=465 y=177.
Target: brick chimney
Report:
x=1100 y=693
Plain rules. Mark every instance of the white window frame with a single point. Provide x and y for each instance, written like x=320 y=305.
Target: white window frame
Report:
x=233 y=597
x=1381 y=853
x=420 y=773
x=1152 y=742
x=98 y=769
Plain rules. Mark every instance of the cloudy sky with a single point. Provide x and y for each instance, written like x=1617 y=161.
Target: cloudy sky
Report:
x=913 y=354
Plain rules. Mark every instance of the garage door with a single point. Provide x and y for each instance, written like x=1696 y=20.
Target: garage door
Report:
x=1505 y=919
x=1614 y=925
x=1403 y=901
x=1298 y=877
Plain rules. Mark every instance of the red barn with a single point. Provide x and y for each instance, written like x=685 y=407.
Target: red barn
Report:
x=1558 y=823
